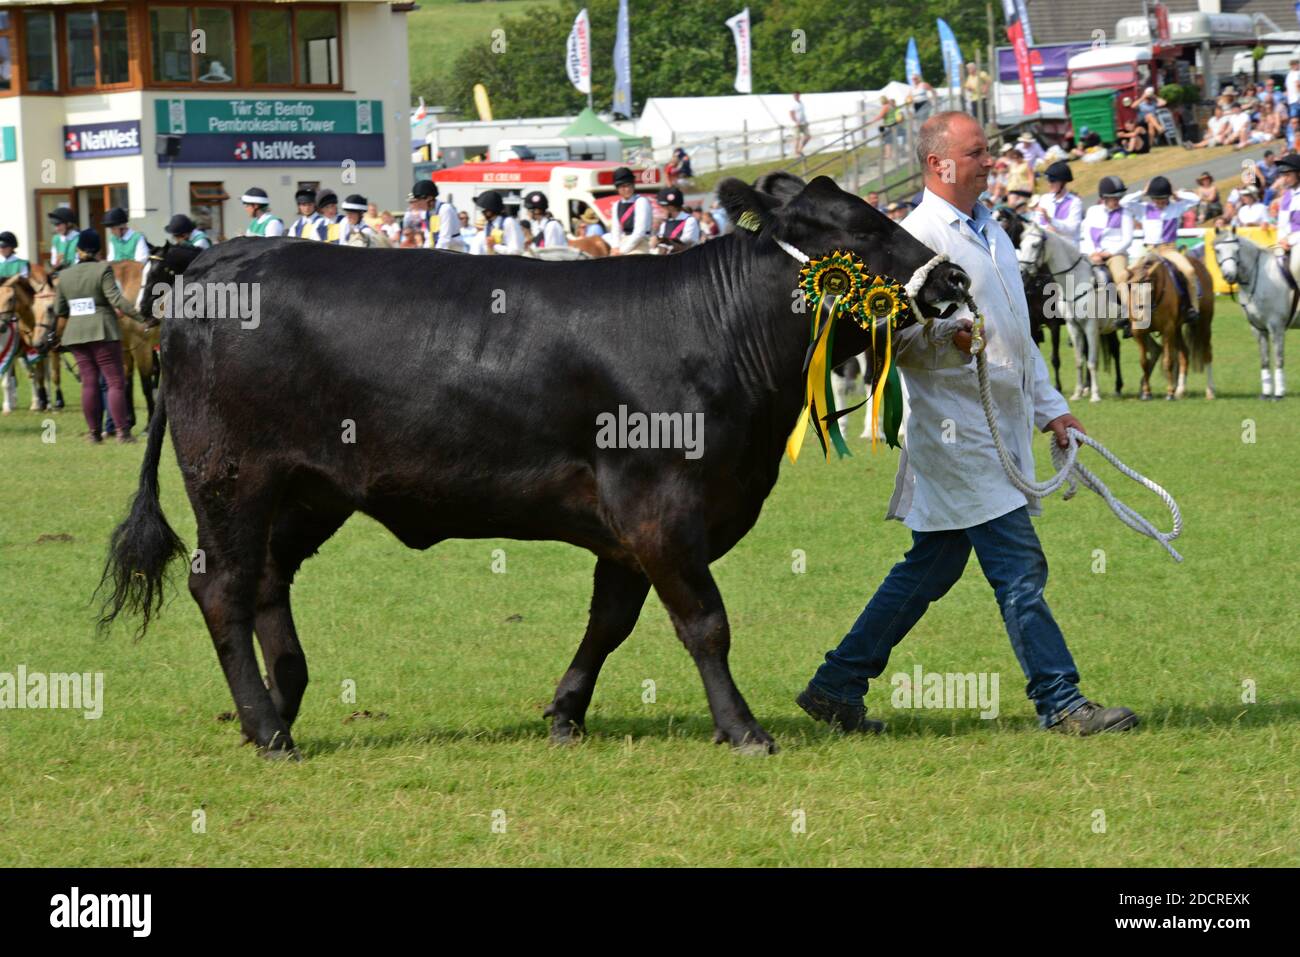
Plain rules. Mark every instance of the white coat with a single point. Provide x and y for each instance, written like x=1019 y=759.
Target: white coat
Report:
x=949 y=475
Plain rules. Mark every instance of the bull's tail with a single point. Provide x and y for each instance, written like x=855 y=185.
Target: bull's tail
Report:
x=144 y=544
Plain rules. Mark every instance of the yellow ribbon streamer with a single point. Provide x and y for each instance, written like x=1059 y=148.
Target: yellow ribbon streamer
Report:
x=816 y=380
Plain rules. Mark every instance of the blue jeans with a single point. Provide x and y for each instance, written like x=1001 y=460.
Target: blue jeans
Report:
x=1013 y=562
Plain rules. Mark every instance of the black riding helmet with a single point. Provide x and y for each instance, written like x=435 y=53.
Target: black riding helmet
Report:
x=88 y=241
x=179 y=225
x=624 y=176
x=490 y=202
x=671 y=196
x=1059 y=172
x=8 y=239
x=114 y=217
x=1290 y=163
x=536 y=200
x=64 y=214
x=1159 y=187
x=1111 y=186
x=424 y=189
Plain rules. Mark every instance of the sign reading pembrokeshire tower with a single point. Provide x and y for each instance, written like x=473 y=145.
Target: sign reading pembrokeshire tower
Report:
x=260 y=132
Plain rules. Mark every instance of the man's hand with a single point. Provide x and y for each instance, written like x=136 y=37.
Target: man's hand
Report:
x=1095 y=258
x=962 y=337
x=1060 y=424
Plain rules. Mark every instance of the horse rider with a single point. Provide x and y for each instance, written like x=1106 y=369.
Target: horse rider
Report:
x=633 y=217
x=308 y=222
x=10 y=264
x=1060 y=209
x=123 y=241
x=1107 y=235
x=183 y=230
x=1160 y=210
x=87 y=297
x=439 y=219
x=1287 y=183
x=63 y=244
x=261 y=221
x=550 y=232
x=679 y=227
x=330 y=222
x=500 y=235
x=354 y=230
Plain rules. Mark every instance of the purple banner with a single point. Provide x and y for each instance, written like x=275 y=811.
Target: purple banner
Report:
x=1047 y=61
x=291 y=149
x=94 y=140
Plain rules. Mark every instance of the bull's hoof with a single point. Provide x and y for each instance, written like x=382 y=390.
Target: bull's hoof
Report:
x=564 y=732
x=281 y=754
x=747 y=741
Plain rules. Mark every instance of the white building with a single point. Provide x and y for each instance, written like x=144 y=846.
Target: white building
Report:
x=277 y=95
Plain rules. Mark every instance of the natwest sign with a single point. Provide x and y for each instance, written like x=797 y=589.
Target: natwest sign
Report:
x=96 y=140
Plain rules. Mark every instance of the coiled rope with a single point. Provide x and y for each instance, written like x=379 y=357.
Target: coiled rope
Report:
x=1070 y=471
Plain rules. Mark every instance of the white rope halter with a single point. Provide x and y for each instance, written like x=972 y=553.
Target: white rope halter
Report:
x=1069 y=471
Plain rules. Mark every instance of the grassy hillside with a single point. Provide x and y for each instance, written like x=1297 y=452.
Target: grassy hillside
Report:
x=440 y=29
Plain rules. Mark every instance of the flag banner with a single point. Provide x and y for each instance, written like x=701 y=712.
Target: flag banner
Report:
x=911 y=62
x=952 y=59
x=1016 y=33
x=739 y=25
x=623 y=64
x=579 y=53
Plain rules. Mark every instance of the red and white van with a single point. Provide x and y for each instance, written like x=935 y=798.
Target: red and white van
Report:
x=571 y=187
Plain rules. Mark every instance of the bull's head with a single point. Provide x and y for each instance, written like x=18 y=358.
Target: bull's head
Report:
x=814 y=219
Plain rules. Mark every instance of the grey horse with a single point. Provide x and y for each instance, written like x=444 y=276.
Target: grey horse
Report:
x=1265 y=296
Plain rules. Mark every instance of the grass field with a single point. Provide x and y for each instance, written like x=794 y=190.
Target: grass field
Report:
x=454 y=683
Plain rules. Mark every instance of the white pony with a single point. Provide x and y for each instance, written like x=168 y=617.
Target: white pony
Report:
x=1087 y=315
x=1265 y=297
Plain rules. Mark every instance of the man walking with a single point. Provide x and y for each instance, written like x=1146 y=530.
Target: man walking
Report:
x=951 y=489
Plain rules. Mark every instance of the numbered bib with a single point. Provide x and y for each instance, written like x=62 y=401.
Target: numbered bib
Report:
x=81 y=307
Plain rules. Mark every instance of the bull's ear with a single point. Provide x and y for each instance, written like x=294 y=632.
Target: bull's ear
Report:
x=784 y=186
x=748 y=208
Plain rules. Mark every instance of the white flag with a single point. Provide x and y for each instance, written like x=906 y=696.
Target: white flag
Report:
x=623 y=64
x=580 y=53
x=740 y=30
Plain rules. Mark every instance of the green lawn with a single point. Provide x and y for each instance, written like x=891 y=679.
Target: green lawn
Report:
x=432 y=643
x=441 y=29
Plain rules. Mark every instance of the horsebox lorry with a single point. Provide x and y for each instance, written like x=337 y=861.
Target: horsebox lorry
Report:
x=571 y=187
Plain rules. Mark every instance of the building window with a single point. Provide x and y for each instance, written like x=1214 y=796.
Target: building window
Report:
x=98 y=31
x=206 y=208
x=271 y=41
x=42 y=60
x=317 y=34
x=172 y=31
x=7 y=48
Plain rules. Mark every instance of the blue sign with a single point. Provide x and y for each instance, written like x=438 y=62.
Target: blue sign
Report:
x=286 y=149
x=97 y=140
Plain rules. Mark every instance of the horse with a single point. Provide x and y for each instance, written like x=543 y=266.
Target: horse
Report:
x=1073 y=294
x=1160 y=311
x=47 y=373
x=594 y=246
x=1036 y=293
x=17 y=311
x=138 y=340
x=1264 y=292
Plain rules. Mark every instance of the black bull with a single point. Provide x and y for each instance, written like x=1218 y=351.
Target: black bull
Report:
x=260 y=417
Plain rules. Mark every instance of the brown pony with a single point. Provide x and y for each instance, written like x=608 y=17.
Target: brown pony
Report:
x=593 y=246
x=47 y=376
x=138 y=342
x=1158 y=309
x=21 y=299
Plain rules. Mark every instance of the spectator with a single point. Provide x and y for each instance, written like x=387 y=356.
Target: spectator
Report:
x=1293 y=90
x=1088 y=140
x=1147 y=106
x=719 y=214
x=1020 y=175
x=468 y=230
x=1210 y=206
x=1238 y=126
x=1216 y=131
x=975 y=91
x=1251 y=212
x=873 y=200
x=1267 y=167
x=921 y=97
x=889 y=118
x=1250 y=178
x=410 y=238
x=799 y=116
x=708 y=226
x=389 y=226
x=372 y=218
x=1274 y=95
x=591 y=223
x=1268 y=126
x=1030 y=148
x=679 y=169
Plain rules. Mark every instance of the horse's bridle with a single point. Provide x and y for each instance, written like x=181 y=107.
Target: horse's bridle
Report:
x=1042 y=254
x=1236 y=243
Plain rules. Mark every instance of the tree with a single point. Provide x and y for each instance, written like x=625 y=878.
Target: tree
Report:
x=686 y=50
